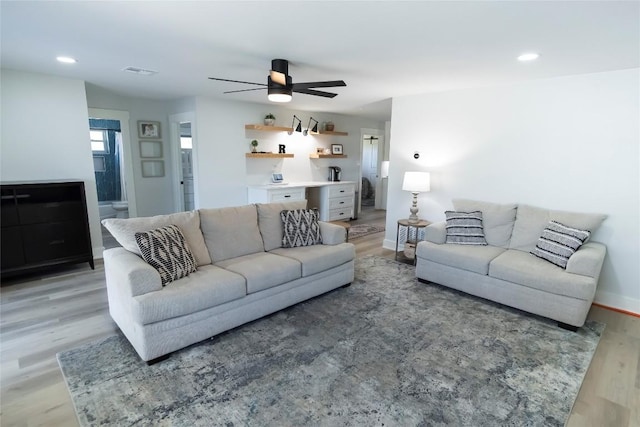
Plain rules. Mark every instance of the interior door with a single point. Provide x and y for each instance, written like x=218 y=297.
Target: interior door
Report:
x=369 y=170
x=186 y=152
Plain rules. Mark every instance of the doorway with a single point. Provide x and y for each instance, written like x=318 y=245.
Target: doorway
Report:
x=370 y=185
x=184 y=147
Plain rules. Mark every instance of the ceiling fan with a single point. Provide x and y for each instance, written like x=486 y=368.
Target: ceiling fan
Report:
x=280 y=85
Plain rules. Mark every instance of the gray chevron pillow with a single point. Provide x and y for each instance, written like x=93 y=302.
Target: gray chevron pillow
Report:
x=301 y=228
x=166 y=250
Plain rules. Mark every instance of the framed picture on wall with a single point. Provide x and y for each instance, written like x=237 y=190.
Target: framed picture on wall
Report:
x=152 y=168
x=148 y=129
x=336 y=149
x=152 y=149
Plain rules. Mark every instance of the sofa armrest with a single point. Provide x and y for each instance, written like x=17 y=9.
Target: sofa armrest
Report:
x=332 y=234
x=129 y=273
x=587 y=261
x=436 y=232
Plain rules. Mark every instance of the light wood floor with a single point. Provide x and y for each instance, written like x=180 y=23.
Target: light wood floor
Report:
x=43 y=315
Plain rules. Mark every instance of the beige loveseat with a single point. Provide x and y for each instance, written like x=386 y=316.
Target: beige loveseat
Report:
x=242 y=274
x=505 y=271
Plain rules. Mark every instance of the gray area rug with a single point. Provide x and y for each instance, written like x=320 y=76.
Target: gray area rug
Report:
x=361 y=230
x=387 y=350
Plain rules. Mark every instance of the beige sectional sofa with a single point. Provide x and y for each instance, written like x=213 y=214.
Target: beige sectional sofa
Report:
x=242 y=274
x=505 y=271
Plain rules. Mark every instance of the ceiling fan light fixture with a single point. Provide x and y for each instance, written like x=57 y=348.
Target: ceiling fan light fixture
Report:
x=278 y=93
x=279 y=97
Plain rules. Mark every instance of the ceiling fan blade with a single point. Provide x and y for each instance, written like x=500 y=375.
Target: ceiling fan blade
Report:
x=307 y=85
x=315 y=92
x=236 y=81
x=244 y=90
x=278 y=77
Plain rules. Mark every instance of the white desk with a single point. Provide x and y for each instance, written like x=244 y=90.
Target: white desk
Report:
x=334 y=200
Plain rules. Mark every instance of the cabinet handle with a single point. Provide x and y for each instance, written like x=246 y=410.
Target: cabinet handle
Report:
x=56 y=242
x=287 y=195
x=342 y=191
x=342 y=203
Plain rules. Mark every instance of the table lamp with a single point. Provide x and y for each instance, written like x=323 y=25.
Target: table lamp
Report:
x=416 y=182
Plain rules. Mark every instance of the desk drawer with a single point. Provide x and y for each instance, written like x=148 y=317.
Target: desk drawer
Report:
x=340 y=214
x=341 y=190
x=341 y=203
x=288 y=195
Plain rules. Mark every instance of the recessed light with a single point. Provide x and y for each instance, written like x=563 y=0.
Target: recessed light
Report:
x=528 y=56
x=66 y=60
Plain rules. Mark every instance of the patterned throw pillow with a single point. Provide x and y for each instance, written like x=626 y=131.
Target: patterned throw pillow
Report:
x=301 y=228
x=465 y=228
x=558 y=242
x=165 y=250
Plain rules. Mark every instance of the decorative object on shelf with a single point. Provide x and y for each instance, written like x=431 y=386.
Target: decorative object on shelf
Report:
x=336 y=149
x=327 y=151
x=328 y=126
x=416 y=182
x=334 y=173
x=282 y=149
x=269 y=120
x=319 y=150
x=254 y=146
x=148 y=129
x=152 y=168
x=293 y=125
x=150 y=149
x=308 y=129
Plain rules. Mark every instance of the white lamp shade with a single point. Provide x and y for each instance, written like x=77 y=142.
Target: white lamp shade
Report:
x=384 y=169
x=416 y=182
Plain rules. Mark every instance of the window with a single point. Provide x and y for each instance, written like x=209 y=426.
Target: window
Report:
x=99 y=141
x=186 y=143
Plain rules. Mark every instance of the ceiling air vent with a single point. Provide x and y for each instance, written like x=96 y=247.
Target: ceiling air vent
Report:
x=140 y=71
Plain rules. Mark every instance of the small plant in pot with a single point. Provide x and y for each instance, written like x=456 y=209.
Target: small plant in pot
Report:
x=254 y=146
x=269 y=119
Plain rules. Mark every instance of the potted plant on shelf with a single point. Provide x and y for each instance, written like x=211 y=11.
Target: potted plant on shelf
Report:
x=269 y=119
x=254 y=145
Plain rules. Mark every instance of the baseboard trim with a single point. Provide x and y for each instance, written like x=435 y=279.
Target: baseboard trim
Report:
x=617 y=310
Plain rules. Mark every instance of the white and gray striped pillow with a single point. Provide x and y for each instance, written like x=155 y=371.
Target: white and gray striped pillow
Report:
x=465 y=228
x=558 y=242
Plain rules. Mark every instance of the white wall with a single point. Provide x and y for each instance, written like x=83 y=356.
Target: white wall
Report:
x=45 y=135
x=223 y=171
x=569 y=143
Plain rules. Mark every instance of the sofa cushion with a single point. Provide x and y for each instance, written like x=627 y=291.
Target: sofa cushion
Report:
x=470 y=258
x=558 y=242
x=231 y=232
x=207 y=287
x=530 y=221
x=166 y=250
x=318 y=258
x=124 y=230
x=263 y=270
x=270 y=223
x=497 y=219
x=528 y=270
x=465 y=228
x=300 y=228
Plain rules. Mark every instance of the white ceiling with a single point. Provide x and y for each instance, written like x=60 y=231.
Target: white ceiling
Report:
x=381 y=49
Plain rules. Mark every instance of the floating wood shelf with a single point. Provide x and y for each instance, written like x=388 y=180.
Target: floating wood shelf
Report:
x=327 y=156
x=326 y=132
x=268 y=128
x=268 y=155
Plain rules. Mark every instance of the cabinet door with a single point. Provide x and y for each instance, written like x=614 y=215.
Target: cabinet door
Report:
x=12 y=249
x=9 y=208
x=49 y=204
x=286 y=195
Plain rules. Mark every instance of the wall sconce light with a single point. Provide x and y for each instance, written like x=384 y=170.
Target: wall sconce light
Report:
x=293 y=125
x=416 y=182
x=315 y=127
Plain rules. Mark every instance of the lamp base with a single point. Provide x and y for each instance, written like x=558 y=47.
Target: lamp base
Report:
x=413 y=218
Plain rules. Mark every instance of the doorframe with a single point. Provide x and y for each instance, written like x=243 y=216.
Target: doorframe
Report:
x=174 y=138
x=125 y=129
x=378 y=133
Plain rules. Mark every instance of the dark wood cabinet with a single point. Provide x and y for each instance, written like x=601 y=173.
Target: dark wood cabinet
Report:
x=43 y=224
